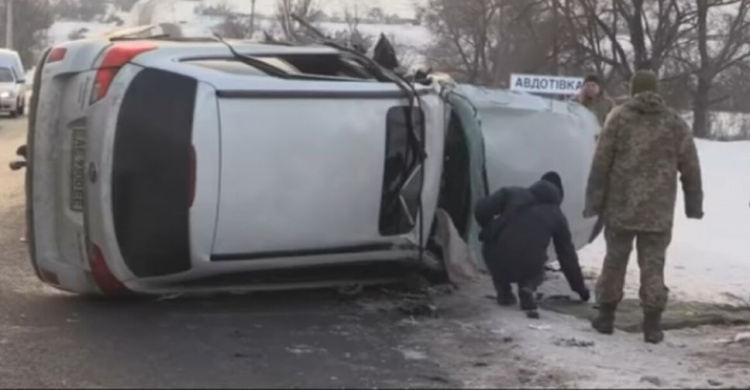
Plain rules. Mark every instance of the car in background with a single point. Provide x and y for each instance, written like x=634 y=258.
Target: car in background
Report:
x=12 y=84
x=161 y=165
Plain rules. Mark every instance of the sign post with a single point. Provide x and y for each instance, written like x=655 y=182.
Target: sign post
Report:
x=549 y=85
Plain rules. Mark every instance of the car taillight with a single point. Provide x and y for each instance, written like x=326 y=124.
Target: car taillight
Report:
x=192 y=176
x=117 y=56
x=57 y=54
x=103 y=276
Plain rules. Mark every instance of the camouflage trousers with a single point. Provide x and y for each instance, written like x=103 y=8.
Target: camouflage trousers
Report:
x=652 y=250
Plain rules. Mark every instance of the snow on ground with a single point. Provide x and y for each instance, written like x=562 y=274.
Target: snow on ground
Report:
x=709 y=260
x=486 y=346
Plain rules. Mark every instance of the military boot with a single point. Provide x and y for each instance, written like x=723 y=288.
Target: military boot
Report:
x=652 y=332
x=604 y=323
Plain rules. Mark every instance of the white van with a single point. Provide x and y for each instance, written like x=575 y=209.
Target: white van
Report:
x=12 y=83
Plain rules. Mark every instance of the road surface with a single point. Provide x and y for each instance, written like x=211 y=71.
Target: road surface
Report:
x=53 y=339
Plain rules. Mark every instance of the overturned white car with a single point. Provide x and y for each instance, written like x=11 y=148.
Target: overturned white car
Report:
x=160 y=165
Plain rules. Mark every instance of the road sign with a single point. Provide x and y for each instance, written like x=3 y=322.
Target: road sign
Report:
x=553 y=85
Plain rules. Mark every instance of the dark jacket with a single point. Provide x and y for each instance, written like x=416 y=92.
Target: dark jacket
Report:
x=517 y=227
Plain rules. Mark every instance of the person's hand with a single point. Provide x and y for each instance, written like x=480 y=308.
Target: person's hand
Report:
x=694 y=212
x=585 y=295
x=694 y=206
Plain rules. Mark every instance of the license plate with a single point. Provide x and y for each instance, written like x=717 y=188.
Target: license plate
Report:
x=78 y=170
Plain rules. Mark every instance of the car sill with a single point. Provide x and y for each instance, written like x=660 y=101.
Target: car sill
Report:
x=308 y=252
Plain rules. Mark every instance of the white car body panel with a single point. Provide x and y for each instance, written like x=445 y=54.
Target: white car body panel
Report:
x=307 y=177
x=526 y=136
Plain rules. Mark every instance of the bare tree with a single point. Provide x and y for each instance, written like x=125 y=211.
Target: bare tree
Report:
x=353 y=36
x=723 y=43
x=234 y=26
x=618 y=37
x=483 y=41
x=306 y=9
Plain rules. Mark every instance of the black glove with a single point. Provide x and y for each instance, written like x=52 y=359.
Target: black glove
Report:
x=585 y=295
x=694 y=214
x=694 y=206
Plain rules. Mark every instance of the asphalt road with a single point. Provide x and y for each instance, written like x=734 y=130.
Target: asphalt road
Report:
x=303 y=339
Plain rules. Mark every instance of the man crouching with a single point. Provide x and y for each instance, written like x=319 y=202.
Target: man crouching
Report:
x=517 y=227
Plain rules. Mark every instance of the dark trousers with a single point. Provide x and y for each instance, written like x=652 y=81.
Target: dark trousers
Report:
x=526 y=288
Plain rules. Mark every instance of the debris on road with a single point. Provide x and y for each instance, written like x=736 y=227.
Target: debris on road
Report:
x=715 y=383
x=410 y=354
x=540 y=327
x=418 y=309
x=301 y=350
x=654 y=380
x=742 y=338
x=435 y=378
x=573 y=342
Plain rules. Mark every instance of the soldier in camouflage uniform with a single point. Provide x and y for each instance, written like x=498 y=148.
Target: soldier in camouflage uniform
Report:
x=633 y=187
x=593 y=97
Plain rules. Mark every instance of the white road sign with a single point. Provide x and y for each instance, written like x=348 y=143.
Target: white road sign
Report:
x=554 y=85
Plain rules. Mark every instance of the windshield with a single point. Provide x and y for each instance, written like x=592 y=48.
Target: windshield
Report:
x=6 y=75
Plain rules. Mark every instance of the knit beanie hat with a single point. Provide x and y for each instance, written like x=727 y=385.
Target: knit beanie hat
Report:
x=592 y=78
x=644 y=81
x=554 y=179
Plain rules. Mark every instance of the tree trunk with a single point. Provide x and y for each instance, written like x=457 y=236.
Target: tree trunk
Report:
x=701 y=123
x=701 y=120
x=638 y=38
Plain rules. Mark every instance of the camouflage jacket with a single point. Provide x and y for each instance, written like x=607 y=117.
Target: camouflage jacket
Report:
x=600 y=106
x=633 y=179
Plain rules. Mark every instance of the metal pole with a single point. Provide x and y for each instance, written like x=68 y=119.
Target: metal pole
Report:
x=9 y=24
x=252 y=19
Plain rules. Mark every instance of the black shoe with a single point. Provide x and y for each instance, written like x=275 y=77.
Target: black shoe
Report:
x=507 y=299
x=604 y=323
x=527 y=300
x=652 y=332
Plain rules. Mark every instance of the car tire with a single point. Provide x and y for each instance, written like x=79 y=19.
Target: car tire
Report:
x=21 y=109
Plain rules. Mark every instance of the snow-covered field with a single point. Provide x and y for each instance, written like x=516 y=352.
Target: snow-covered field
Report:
x=183 y=11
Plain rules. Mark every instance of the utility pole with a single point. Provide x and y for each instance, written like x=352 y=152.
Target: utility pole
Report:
x=9 y=24
x=252 y=19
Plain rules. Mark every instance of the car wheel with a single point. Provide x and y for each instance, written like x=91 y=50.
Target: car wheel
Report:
x=22 y=109
x=14 y=114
